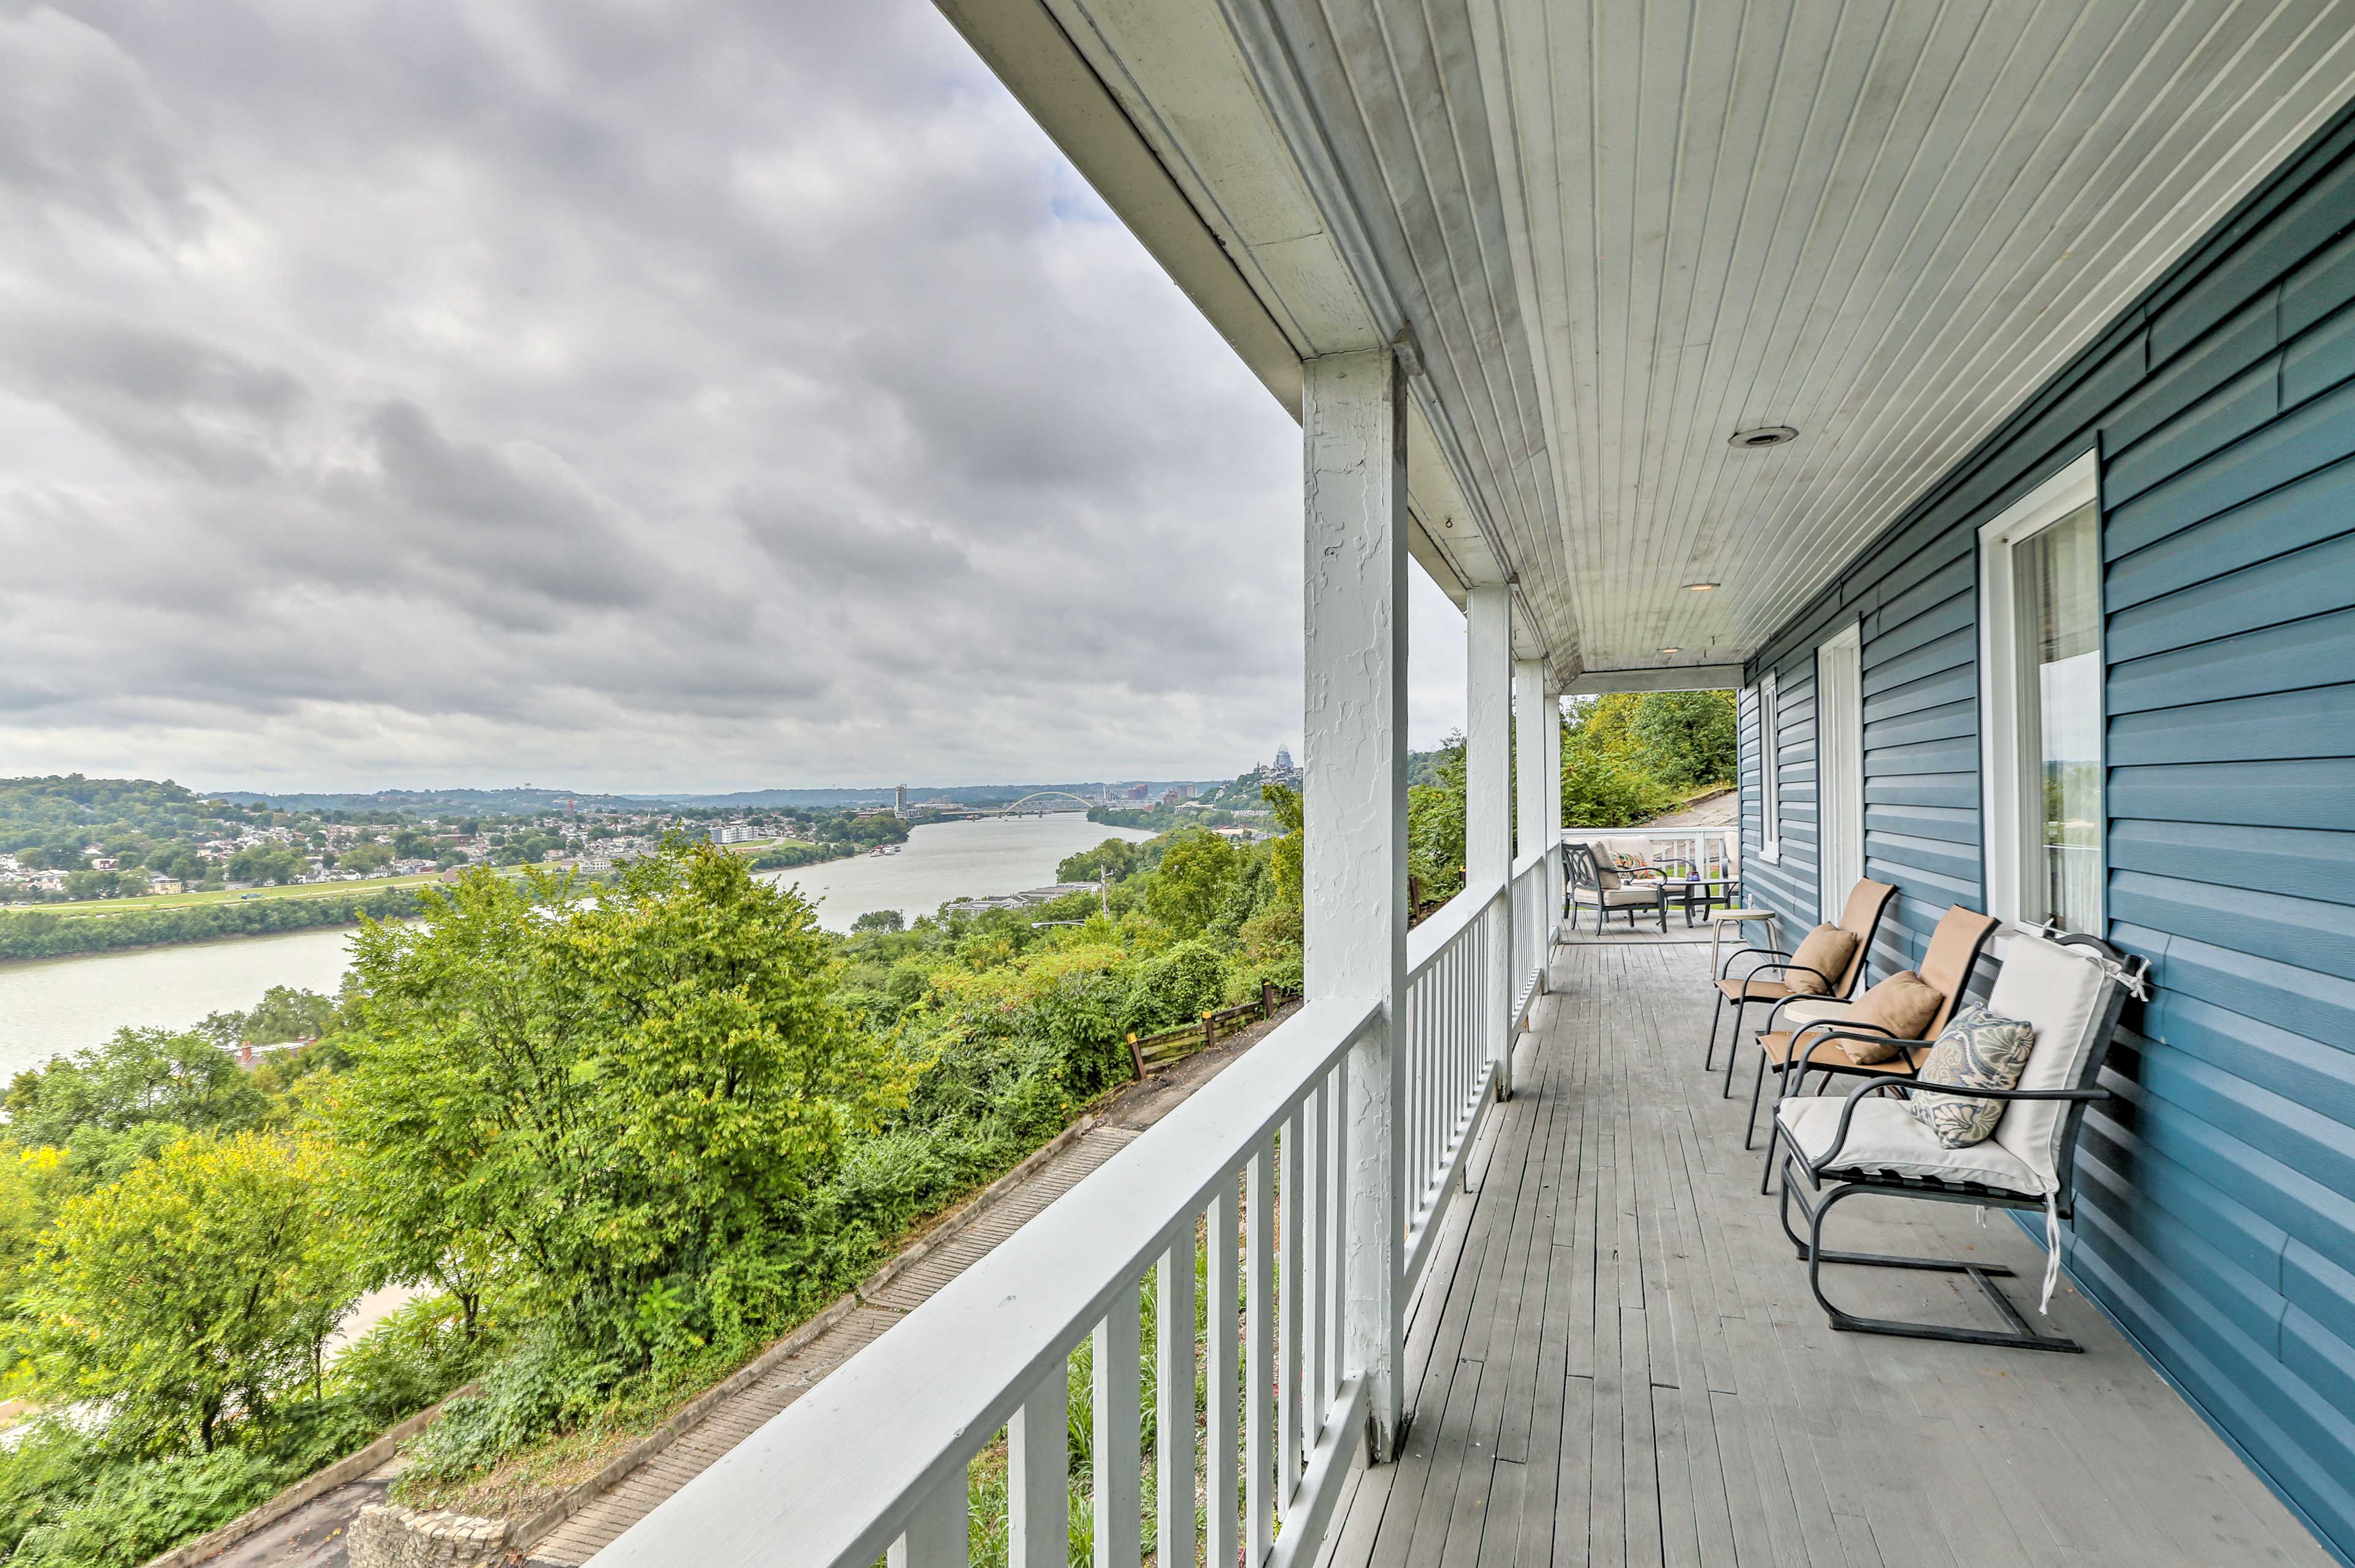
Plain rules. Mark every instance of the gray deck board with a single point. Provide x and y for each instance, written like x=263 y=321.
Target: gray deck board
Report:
x=1617 y=1359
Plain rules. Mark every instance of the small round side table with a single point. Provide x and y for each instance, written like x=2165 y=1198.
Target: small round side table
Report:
x=1719 y=920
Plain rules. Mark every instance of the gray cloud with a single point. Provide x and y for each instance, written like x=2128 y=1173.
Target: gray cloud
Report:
x=722 y=393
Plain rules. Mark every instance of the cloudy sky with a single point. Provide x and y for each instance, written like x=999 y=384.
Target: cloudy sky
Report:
x=620 y=393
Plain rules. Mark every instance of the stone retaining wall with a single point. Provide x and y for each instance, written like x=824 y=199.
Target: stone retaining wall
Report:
x=387 y=1535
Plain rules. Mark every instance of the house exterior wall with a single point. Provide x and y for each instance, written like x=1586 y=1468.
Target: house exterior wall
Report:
x=2216 y=1198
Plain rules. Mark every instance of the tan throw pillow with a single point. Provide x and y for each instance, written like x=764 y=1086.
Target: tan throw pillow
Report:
x=1977 y=1051
x=1903 y=1005
x=1826 y=951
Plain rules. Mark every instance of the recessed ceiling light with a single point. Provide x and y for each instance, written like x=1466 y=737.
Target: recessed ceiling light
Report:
x=1699 y=587
x=1764 y=435
x=1672 y=650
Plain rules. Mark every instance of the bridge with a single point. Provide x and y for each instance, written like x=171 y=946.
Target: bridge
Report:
x=1028 y=806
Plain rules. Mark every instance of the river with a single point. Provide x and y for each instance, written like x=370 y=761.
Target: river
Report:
x=64 y=1004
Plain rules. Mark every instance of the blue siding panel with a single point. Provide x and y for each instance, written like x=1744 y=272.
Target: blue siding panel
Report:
x=2215 y=1212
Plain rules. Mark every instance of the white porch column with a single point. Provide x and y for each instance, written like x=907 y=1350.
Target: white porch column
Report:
x=1488 y=796
x=1353 y=423
x=1534 y=814
x=1551 y=714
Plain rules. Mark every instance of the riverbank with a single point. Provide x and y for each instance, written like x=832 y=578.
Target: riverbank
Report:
x=36 y=934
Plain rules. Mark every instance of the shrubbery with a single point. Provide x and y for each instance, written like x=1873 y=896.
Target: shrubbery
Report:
x=617 y=1147
x=38 y=933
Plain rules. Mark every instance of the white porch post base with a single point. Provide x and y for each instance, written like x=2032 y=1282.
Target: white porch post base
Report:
x=1353 y=423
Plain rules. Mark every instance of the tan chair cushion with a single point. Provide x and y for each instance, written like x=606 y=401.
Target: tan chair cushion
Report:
x=1753 y=990
x=1815 y=1052
x=1903 y=1005
x=1826 y=950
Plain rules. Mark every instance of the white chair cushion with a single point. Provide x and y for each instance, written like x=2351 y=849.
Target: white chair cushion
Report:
x=1617 y=897
x=1883 y=1137
x=2044 y=984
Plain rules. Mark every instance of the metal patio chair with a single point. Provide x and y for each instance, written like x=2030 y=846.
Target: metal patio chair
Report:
x=1868 y=901
x=1597 y=884
x=1790 y=1053
x=2072 y=988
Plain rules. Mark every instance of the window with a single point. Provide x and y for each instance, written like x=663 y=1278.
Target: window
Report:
x=2040 y=687
x=1839 y=767
x=1770 y=781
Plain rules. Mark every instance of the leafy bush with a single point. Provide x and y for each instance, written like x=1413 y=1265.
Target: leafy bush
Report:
x=610 y=1098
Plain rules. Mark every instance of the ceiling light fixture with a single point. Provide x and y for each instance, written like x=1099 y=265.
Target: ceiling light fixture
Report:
x=1672 y=650
x=1764 y=435
x=1699 y=587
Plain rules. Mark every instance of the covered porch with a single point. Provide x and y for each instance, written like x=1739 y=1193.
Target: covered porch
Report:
x=1632 y=326
x=1616 y=1359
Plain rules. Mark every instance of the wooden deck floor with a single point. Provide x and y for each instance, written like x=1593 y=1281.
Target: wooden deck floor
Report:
x=1621 y=1362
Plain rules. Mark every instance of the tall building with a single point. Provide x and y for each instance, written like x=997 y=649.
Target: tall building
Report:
x=900 y=800
x=1283 y=759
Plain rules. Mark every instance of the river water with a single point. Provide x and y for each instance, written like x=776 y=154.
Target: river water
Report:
x=64 y=1004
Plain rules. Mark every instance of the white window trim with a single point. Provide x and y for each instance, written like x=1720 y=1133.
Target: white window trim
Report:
x=1770 y=775
x=1839 y=762
x=2003 y=783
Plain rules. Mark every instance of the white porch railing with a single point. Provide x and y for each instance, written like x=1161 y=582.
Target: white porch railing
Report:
x=874 y=1461
x=1452 y=1024
x=1537 y=909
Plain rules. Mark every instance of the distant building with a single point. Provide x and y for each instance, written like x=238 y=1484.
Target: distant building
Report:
x=735 y=833
x=1283 y=760
x=900 y=800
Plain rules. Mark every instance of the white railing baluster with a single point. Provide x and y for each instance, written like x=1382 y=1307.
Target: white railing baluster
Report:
x=1038 y=1474
x=1337 y=1233
x=1259 y=1355
x=1173 y=1370
x=1225 y=1392
x=1292 y=1348
x=1119 y=1458
x=1317 y=1278
x=935 y=1533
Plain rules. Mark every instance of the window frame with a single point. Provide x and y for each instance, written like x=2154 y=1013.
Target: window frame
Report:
x=2010 y=867
x=1839 y=763
x=1769 y=770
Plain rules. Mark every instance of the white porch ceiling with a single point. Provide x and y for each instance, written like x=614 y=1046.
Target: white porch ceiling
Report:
x=1616 y=233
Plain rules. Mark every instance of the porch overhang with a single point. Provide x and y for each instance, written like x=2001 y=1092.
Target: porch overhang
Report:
x=1608 y=248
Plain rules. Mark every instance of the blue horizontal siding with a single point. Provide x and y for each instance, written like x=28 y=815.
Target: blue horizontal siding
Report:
x=2216 y=1205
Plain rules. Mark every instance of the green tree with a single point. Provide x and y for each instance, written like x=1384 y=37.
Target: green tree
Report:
x=1285 y=854
x=1434 y=825
x=1605 y=779
x=1117 y=859
x=285 y=1013
x=1687 y=739
x=881 y=920
x=364 y=856
x=614 y=1100
x=1190 y=885
x=140 y=1077
x=102 y=884
x=206 y=1279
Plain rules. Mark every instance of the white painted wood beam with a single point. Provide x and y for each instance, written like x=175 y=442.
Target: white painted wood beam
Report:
x=1674 y=677
x=1534 y=812
x=1488 y=789
x=1354 y=856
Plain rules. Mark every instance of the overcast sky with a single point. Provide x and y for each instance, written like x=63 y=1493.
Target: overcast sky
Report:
x=622 y=395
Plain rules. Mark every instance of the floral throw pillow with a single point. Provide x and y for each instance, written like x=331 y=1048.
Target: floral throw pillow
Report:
x=1980 y=1051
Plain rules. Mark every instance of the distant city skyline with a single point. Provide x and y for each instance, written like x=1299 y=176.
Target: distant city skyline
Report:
x=396 y=396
